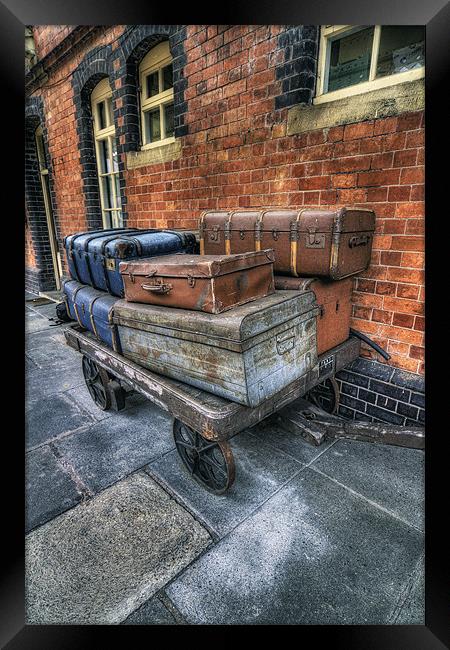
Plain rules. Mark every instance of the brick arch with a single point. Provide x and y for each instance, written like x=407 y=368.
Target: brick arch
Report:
x=132 y=47
x=93 y=68
x=43 y=279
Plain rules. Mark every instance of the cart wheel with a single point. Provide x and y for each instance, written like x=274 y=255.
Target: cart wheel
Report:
x=210 y=463
x=96 y=379
x=325 y=395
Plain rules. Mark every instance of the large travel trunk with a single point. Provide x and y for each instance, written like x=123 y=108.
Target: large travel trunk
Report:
x=209 y=283
x=93 y=310
x=93 y=257
x=334 y=300
x=246 y=355
x=309 y=242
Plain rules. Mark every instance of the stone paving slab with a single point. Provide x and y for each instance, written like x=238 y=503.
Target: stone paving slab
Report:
x=260 y=471
x=54 y=356
x=410 y=609
x=313 y=554
x=111 y=449
x=49 y=489
x=99 y=562
x=392 y=477
x=153 y=612
x=288 y=442
x=48 y=417
x=42 y=383
x=50 y=338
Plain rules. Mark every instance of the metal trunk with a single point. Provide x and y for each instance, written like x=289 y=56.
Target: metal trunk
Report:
x=245 y=355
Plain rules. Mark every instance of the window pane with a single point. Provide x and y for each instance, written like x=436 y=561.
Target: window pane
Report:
x=350 y=59
x=110 y=111
x=167 y=77
x=107 y=195
x=117 y=221
x=402 y=48
x=168 y=120
x=107 y=222
x=101 y=115
x=114 y=155
x=116 y=180
x=105 y=158
x=152 y=125
x=152 y=81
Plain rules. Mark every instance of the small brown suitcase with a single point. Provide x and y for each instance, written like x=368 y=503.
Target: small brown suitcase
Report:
x=308 y=242
x=334 y=302
x=209 y=283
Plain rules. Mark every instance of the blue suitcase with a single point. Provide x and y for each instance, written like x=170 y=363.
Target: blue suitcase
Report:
x=93 y=310
x=94 y=256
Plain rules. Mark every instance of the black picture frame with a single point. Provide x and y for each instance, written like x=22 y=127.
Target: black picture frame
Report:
x=14 y=15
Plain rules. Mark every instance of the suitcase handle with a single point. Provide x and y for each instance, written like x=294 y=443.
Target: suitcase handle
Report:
x=285 y=343
x=362 y=240
x=158 y=288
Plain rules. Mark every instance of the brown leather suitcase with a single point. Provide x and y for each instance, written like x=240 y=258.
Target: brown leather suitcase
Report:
x=334 y=302
x=209 y=283
x=308 y=242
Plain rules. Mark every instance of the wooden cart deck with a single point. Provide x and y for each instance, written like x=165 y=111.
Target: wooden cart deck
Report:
x=213 y=417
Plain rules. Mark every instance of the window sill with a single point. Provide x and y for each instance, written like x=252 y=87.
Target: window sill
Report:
x=383 y=102
x=154 y=155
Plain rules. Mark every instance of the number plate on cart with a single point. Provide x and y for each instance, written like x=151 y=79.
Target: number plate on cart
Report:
x=326 y=365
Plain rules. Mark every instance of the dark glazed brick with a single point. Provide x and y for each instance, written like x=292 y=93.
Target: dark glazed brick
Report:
x=384 y=416
x=373 y=369
x=399 y=394
x=418 y=399
x=349 y=389
x=408 y=380
x=353 y=403
x=407 y=410
x=386 y=402
x=353 y=378
x=366 y=395
x=421 y=415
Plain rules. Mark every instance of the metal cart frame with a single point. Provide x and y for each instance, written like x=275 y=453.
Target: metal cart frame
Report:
x=203 y=422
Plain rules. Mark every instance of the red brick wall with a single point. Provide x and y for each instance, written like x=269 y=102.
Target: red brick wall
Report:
x=47 y=37
x=237 y=154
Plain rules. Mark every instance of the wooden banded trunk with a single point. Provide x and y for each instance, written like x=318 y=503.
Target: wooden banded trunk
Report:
x=245 y=355
x=309 y=242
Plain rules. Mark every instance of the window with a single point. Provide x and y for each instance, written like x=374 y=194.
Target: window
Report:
x=106 y=154
x=358 y=59
x=156 y=85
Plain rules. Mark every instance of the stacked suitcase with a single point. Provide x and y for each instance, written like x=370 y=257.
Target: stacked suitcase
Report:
x=221 y=320
x=315 y=249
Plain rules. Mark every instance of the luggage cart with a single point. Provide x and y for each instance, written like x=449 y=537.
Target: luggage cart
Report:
x=203 y=422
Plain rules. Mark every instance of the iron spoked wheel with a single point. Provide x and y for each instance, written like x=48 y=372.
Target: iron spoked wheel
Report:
x=325 y=395
x=210 y=463
x=96 y=379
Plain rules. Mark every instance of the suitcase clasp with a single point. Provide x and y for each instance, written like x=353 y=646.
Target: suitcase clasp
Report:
x=275 y=233
x=242 y=234
x=191 y=281
x=214 y=233
x=314 y=240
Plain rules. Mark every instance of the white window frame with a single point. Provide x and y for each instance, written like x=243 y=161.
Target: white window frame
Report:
x=328 y=33
x=154 y=61
x=111 y=217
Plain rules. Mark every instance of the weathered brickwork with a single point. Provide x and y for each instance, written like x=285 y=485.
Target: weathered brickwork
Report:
x=47 y=37
x=372 y=391
x=233 y=87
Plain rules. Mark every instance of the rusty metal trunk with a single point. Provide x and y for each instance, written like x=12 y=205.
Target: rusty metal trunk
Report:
x=309 y=242
x=245 y=355
x=209 y=283
x=335 y=307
